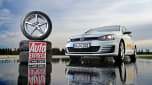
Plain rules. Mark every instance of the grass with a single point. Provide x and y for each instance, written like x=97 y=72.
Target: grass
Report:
x=147 y=57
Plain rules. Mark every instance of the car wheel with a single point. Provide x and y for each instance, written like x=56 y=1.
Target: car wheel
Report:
x=133 y=57
x=121 y=53
x=36 y=25
x=23 y=57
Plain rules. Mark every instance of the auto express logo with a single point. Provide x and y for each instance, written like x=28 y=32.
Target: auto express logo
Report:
x=37 y=52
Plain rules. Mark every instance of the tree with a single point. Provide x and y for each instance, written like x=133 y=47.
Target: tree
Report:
x=56 y=51
x=62 y=52
x=147 y=51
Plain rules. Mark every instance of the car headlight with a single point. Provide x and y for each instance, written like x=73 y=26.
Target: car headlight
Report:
x=107 y=37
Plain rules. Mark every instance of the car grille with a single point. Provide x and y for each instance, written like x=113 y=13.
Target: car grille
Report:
x=84 y=39
x=108 y=49
x=77 y=39
x=91 y=49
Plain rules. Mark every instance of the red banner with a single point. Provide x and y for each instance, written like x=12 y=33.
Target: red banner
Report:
x=37 y=52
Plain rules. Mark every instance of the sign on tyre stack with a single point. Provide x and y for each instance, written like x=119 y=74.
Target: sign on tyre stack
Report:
x=36 y=26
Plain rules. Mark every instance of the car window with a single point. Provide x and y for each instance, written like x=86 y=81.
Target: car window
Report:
x=124 y=29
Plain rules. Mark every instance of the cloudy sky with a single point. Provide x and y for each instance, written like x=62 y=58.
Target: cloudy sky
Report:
x=72 y=17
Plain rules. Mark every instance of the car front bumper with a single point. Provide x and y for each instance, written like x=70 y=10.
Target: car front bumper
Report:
x=97 y=48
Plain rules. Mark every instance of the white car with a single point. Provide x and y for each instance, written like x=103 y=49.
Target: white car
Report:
x=104 y=41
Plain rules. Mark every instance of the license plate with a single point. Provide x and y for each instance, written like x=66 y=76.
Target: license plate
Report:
x=81 y=45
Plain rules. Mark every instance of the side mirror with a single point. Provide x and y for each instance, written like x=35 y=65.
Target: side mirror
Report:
x=127 y=33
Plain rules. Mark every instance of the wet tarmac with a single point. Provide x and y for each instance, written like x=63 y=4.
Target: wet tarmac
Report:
x=62 y=71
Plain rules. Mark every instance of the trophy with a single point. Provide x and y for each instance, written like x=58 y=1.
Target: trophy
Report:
x=36 y=26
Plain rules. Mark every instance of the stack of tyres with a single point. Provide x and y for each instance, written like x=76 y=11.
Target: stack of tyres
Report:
x=24 y=51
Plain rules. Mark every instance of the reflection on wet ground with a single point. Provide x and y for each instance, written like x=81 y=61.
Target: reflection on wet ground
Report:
x=36 y=74
x=95 y=72
x=8 y=61
x=62 y=71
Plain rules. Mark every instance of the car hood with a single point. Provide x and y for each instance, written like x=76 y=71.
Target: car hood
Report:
x=95 y=34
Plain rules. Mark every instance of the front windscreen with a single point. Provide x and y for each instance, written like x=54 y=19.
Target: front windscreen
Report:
x=105 y=29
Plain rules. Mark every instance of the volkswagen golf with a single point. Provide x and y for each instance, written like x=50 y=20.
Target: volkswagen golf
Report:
x=115 y=41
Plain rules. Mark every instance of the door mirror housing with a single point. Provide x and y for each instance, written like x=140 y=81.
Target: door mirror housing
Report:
x=127 y=32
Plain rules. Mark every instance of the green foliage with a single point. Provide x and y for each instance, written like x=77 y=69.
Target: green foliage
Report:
x=144 y=51
x=147 y=57
x=9 y=51
x=57 y=51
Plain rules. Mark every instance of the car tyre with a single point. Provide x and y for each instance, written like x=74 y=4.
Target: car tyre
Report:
x=133 y=57
x=121 y=53
x=24 y=57
x=34 y=37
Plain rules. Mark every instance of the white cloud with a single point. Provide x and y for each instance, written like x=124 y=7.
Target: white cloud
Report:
x=109 y=15
x=6 y=17
x=5 y=12
x=1 y=3
x=11 y=39
x=9 y=32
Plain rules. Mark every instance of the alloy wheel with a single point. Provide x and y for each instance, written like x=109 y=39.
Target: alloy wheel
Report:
x=36 y=25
